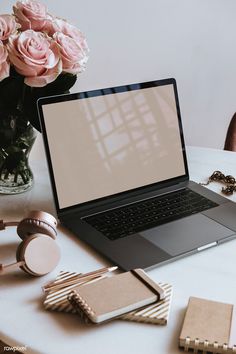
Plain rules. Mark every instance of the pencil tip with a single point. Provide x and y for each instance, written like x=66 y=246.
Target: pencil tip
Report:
x=112 y=268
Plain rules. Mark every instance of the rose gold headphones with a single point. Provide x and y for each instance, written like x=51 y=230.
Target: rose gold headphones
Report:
x=38 y=253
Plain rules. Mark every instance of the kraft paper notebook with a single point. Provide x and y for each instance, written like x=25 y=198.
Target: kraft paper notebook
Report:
x=157 y=313
x=111 y=297
x=209 y=326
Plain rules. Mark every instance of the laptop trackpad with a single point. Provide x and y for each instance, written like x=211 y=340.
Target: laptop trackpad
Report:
x=186 y=234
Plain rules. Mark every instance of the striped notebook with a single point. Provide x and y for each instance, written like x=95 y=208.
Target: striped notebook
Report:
x=157 y=313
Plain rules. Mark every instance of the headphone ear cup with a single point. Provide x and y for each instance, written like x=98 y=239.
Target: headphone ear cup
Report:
x=37 y=222
x=19 y=257
x=40 y=253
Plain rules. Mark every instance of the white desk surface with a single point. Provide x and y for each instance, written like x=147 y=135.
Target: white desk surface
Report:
x=23 y=321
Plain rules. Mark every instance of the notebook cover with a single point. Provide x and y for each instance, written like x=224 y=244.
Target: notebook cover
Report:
x=56 y=300
x=208 y=326
x=112 y=296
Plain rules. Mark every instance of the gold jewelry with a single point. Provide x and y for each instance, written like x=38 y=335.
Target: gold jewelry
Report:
x=229 y=181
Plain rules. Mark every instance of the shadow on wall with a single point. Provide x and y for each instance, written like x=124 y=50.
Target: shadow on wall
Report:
x=230 y=140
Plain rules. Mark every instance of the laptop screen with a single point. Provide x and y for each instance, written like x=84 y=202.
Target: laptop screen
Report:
x=110 y=141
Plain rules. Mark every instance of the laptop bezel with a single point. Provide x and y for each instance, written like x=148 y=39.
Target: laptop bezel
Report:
x=101 y=92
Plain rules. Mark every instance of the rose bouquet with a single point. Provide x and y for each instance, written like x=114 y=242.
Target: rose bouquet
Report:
x=40 y=55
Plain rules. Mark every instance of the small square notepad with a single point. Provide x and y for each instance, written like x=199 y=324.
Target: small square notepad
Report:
x=209 y=327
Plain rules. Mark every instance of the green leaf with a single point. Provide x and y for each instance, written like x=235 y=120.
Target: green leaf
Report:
x=11 y=90
x=62 y=84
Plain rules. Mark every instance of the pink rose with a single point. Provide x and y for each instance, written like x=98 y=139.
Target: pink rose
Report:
x=35 y=56
x=72 y=55
x=31 y=14
x=8 y=26
x=60 y=25
x=48 y=25
x=4 y=64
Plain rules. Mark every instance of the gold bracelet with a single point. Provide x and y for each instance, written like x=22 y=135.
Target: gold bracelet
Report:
x=229 y=181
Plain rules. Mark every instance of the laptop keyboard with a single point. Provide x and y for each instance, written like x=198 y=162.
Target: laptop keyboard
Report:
x=133 y=218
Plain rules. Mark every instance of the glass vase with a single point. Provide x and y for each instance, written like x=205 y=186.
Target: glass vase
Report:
x=17 y=137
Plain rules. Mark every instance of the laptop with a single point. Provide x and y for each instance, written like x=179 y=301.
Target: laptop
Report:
x=119 y=175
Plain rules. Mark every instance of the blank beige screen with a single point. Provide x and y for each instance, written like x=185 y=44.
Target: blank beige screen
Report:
x=104 y=145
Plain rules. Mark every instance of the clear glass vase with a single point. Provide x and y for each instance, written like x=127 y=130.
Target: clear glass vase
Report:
x=17 y=137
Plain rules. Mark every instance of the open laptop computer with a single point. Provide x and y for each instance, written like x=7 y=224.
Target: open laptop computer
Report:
x=120 y=179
